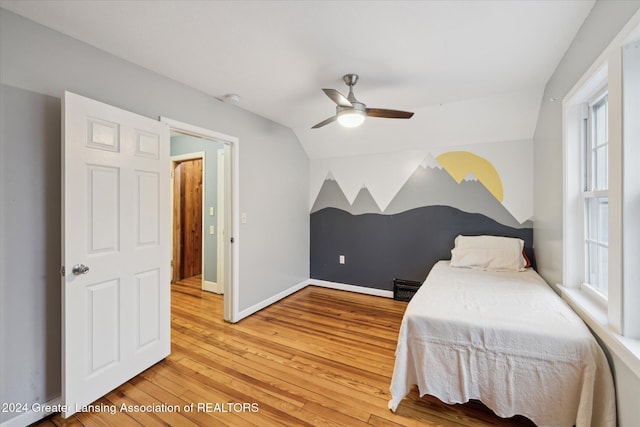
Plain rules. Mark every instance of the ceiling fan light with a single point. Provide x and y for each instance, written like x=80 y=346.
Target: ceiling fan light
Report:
x=351 y=119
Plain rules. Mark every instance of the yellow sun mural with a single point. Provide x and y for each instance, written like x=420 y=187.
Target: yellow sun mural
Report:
x=460 y=163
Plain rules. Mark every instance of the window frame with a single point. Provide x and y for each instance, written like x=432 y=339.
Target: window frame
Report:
x=616 y=323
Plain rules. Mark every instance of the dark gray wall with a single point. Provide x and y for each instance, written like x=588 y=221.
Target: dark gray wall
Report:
x=379 y=248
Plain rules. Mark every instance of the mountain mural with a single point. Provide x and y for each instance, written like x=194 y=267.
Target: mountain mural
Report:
x=428 y=186
x=417 y=228
x=504 y=169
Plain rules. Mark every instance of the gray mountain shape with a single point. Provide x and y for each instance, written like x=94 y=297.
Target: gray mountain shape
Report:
x=425 y=187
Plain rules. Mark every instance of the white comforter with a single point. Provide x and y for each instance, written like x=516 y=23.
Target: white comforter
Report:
x=506 y=339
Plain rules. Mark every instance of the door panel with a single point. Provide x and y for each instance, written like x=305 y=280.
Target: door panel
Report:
x=103 y=217
x=147 y=214
x=116 y=222
x=148 y=297
x=102 y=318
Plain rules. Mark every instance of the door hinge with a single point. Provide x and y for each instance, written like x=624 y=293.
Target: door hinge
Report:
x=232 y=240
x=62 y=271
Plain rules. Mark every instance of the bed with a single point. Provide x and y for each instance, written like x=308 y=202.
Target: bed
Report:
x=504 y=338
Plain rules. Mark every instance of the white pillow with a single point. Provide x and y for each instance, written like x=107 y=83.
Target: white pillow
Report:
x=491 y=253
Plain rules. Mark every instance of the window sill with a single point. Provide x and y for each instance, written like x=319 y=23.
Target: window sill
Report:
x=595 y=316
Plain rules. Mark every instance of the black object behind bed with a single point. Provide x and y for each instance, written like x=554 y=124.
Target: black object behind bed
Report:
x=379 y=248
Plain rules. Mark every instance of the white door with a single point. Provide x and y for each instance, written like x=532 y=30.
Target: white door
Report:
x=116 y=248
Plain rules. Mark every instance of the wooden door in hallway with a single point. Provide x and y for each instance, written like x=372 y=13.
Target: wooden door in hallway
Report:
x=187 y=258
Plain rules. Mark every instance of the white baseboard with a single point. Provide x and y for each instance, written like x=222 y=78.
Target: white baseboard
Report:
x=212 y=287
x=322 y=283
x=351 y=288
x=257 y=307
x=32 y=414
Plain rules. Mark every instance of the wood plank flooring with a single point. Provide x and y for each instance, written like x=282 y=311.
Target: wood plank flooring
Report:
x=319 y=357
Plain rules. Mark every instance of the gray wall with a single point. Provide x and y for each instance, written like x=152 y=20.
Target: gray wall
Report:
x=603 y=23
x=273 y=187
x=184 y=144
x=29 y=247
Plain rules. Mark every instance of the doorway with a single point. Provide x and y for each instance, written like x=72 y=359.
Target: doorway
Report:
x=188 y=238
x=219 y=208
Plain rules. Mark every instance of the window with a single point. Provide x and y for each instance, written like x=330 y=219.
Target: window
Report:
x=601 y=200
x=595 y=197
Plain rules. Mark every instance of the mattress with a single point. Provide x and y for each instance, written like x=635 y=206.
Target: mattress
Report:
x=506 y=339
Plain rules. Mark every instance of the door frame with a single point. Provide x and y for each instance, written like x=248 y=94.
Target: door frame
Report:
x=222 y=233
x=175 y=161
x=231 y=251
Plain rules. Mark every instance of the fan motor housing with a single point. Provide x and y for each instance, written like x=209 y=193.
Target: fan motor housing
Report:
x=359 y=106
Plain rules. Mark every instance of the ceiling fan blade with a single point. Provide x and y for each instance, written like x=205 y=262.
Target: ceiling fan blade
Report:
x=325 y=122
x=337 y=97
x=388 y=114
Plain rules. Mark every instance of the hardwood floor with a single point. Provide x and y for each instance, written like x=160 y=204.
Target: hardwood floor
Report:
x=319 y=357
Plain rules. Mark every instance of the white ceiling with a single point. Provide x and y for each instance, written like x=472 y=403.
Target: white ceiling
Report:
x=442 y=59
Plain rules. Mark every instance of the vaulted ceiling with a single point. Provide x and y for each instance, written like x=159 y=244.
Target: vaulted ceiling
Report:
x=472 y=71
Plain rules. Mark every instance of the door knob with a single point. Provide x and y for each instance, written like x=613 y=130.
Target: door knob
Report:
x=79 y=269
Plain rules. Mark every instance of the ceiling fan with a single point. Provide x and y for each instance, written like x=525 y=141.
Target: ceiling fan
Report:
x=350 y=112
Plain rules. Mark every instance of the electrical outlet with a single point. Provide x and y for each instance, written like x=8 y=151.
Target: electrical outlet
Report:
x=341 y=259
x=211 y=230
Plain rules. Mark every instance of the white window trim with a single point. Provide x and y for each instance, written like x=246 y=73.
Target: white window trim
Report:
x=594 y=314
x=620 y=313
x=631 y=191
x=593 y=294
x=574 y=194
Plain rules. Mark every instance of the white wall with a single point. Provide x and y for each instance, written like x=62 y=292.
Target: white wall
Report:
x=36 y=66
x=603 y=23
